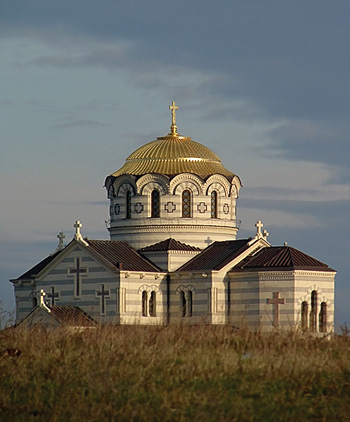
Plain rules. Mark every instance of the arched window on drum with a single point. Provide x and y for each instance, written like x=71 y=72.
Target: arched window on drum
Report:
x=214 y=204
x=186 y=204
x=155 y=204
x=128 y=204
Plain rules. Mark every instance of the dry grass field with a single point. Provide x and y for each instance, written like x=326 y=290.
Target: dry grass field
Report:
x=172 y=374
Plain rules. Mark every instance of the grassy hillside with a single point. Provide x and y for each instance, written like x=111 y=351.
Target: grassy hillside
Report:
x=172 y=374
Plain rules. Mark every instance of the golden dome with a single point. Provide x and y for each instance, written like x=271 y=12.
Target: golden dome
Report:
x=173 y=154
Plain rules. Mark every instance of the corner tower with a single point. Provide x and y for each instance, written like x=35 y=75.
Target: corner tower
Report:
x=172 y=187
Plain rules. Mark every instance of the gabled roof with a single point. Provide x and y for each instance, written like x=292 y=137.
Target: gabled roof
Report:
x=30 y=274
x=170 y=245
x=71 y=315
x=58 y=315
x=281 y=257
x=121 y=255
x=117 y=254
x=216 y=255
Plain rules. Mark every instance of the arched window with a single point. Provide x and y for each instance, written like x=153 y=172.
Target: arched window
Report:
x=313 y=313
x=304 y=315
x=152 y=304
x=183 y=303
x=189 y=303
x=214 y=204
x=144 y=303
x=155 y=204
x=128 y=204
x=186 y=204
x=323 y=318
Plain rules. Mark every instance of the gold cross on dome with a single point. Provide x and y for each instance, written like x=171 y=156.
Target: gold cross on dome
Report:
x=173 y=109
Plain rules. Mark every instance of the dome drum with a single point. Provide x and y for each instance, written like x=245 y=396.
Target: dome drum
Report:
x=174 y=187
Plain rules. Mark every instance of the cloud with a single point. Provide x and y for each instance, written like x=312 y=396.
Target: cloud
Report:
x=79 y=123
x=315 y=141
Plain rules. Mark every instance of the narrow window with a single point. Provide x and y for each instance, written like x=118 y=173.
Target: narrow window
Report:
x=155 y=204
x=128 y=204
x=144 y=303
x=152 y=304
x=186 y=204
x=304 y=315
x=189 y=303
x=183 y=303
x=35 y=302
x=323 y=318
x=214 y=204
x=313 y=312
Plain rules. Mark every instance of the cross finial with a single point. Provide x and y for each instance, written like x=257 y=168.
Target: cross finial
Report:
x=259 y=225
x=78 y=235
x=60 y=238
x=173 y=107
x=77 y=226
x=42 y=301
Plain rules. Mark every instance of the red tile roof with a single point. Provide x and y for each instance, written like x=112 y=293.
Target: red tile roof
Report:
x=71 y=315
x=284 y=257
x=121 y=255
x=170 y=245
x=216 y=255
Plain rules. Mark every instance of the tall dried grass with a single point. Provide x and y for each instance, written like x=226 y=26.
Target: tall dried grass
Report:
x=173 y=374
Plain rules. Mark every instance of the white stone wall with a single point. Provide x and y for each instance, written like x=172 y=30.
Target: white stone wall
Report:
x=141 y=229
x=134 y=284
x=170 y=260
x=252 y=291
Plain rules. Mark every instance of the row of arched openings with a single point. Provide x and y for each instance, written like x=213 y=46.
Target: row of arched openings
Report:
x=313 y=319
x=149 y=303
x=186 y=303
x=186 y=204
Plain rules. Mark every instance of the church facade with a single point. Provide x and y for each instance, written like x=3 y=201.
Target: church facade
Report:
x=174 y=257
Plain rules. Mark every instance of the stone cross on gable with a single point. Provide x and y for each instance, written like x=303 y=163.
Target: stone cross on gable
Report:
x=259 y=225
x=78 y=235
x=78 y=272
x=42 y=303
x=276 y=301
x=60 y=238
x=77 y=226
x=103 y=294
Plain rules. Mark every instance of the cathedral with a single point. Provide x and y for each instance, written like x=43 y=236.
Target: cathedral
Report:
x=174 y=256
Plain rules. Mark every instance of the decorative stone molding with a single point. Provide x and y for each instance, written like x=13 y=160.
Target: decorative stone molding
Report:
x=111 y=192
x=148 y=288
x=219 y=183
x=226 y=209
x=202 y=207
x=125 y=187
x=184 y=288
x=235 y=187
x=125 y=179
x=170 y=207
x=138 y=207
x=148 y=182
x=186 y=181
x=116 y=209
